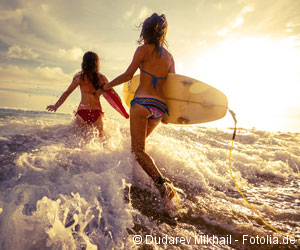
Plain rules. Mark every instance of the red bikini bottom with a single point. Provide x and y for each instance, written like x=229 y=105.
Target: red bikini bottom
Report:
x=90 y=116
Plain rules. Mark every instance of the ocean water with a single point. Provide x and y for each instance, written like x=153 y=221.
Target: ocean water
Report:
x=62 y=190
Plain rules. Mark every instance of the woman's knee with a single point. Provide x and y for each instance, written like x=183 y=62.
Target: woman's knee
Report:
x=138 y=151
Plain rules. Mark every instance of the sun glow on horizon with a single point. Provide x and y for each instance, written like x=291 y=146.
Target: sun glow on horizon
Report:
x=259 y=75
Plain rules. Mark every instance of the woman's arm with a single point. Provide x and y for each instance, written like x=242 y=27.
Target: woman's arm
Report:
x=171 y=70
x=172 y=66
x=128 y=74
x=65 y=95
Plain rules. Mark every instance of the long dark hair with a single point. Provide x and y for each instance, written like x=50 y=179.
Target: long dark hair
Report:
x=154 y=30
x=90 y=67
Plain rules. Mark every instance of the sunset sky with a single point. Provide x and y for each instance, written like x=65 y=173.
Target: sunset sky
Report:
x=250 y=50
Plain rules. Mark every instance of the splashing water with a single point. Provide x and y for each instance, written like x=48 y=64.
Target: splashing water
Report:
x=59 y=190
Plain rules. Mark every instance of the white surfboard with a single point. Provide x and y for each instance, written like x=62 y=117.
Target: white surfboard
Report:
x=189 y=101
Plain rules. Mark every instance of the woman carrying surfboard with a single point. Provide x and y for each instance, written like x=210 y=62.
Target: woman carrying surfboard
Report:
x=89 y=111
x=148 y=106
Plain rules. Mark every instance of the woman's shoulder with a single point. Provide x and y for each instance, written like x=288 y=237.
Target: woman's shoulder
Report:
x=142 y=48
x=168 y=52
x=79 y=73
x=147 y=46
x=150 y=47
x=103 y=78
x=77 y=76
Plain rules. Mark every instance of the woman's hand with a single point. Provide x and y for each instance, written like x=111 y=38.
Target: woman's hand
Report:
x=52 y=108
x=99 y=92
x=163 y=121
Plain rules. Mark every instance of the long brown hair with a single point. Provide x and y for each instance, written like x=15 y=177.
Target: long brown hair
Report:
x=90 y=67
x=154 y=30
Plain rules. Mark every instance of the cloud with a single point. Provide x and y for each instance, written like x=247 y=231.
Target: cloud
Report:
x=16 y=51
x=128 y=14
x=218 y=5
x=40 y=26
x=137 y=15
x=12 y=15
x=58 y=37
x=237 y=22
x=223 y=32
x=73 y=54
x=13 y=76
x=144 y=13
x=291 y=27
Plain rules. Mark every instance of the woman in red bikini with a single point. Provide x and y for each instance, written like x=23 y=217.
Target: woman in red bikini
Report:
x=148 y=106
x=89 y=111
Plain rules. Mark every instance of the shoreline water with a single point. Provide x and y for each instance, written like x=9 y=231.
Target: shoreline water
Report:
x=60 y=191
x=209 y=125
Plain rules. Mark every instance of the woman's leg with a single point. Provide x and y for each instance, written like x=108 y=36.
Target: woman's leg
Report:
x=99 y=125
x=83 y=125
x=79 y=121
x=152 y=124
x=140 y=128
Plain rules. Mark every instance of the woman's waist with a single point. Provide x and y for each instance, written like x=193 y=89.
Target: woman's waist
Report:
x=143 y=94
x=149 y=100
x=90 y=106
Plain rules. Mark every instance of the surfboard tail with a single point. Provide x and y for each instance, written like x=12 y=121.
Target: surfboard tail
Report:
x=114 y=100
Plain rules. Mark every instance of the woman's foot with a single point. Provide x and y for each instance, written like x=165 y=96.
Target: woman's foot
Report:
x=167 y=194
x=164 y=187
x=166 y=191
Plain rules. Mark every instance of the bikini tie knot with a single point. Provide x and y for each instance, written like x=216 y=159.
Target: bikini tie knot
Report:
x=154 y=81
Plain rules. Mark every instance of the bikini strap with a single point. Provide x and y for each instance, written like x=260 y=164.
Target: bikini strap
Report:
x=160 y=50
x=154 y=78
x=88 y=92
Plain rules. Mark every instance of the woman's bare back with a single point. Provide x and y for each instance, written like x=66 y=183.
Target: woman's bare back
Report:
x=88 y=98
x=157 y=64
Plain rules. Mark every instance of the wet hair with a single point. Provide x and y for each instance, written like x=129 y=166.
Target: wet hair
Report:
x=90 y=67
x=154 y=30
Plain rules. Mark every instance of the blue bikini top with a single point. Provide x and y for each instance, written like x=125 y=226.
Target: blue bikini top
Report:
x=154 y=78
